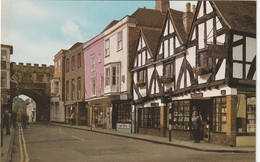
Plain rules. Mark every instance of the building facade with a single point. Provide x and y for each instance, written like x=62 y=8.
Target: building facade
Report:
x=6 y=51
x=210 y=68
x=31 y=110
x=74 y=84
x=57 y=109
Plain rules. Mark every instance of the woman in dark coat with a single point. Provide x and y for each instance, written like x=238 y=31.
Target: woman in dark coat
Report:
x=196 y=126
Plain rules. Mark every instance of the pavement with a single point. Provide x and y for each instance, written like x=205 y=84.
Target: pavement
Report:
x=202 y=146
x=6 y=150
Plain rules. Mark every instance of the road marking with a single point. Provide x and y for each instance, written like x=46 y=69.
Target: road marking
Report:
x=20 y=146
x=78 y=138
x=22 y=142
x=25 y=150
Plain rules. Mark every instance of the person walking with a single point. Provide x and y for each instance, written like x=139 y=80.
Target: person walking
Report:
x=6 y=123
x=24 y=120
x=13 y=119
x=197 y=123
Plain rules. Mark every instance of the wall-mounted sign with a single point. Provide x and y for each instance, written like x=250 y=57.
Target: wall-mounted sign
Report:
x=217 y=51
x=123 y=126
x=123 y=96
x=197 y=95
x=223 y=92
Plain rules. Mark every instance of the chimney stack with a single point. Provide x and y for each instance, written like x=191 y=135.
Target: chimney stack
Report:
x=193 y=9
x=162 y=5
x=187 y=17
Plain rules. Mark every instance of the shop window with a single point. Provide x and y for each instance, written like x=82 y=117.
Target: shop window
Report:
x=181 y=115
x=251 y=114
x=219 y=114
x=149 y=117
x=124 y=113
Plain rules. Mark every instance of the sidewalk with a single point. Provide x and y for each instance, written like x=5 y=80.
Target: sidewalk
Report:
x=163 y=140
x=6 y=150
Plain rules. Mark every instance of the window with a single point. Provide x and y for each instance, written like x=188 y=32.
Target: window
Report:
x=251 y=114
x=67 y=65
x=107 y=48
x=92 y=64
x=67 y=90
x=141 y=76
x=79 y=88
x=149 y=117
x=99 y=57
x=124 y=113
x=79 y=60
x=55 y=66
x=56 y=87
x=205 y=60
x=93 y=87
x=168 y=70
x=101 y=84
x=113 y=75
x=119 y=41
x=72 y=89
x=59 y=65
x=4 y=79
x=181 y=115
x=219 y=114
x=73 y=63
x=107 y=76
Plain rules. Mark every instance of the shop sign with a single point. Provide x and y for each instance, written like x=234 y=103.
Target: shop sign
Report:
x=197 y=95
x=217 y=51
x=123 y=96
x=122 y=126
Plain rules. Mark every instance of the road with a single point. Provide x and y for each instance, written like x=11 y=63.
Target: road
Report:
x=48 y=143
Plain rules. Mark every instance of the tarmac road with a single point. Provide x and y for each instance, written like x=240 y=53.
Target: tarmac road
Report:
x=48 y=143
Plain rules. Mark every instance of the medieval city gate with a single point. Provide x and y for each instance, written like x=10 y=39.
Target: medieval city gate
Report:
x=34 y=82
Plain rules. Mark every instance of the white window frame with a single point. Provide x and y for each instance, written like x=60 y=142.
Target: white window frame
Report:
x=93 y=64
x=93 y=80
x=107 y=45
x=119 y=41
x=99 y=57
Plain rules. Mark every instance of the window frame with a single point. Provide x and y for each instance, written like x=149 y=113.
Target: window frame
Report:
x=67 y=65
x=79 y=60
x=93 y=62
x=107 y=47
x=67 y=90
x=149 y=117
x=217 y=115
x=124 y=111
x=79 y=88
x=72 y=88
x=72 y=63
x=93 y=89
x=119 y=41
x=107 y=75
x=181 y=115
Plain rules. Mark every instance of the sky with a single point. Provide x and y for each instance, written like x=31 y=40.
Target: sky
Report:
x=38 y=29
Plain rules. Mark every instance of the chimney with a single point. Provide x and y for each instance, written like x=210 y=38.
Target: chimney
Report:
x=162 y=5
x=193 y=9
x=187 y=18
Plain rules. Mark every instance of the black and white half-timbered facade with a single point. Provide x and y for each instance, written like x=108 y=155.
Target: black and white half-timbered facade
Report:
x=205 y=61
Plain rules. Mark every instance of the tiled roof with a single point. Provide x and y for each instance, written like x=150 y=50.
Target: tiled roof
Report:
x=152 y=39
x=149 y=17
x=239 y=15
x=177 y=19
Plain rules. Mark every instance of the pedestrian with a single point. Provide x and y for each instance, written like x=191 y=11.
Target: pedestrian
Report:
x=197 y=123
x=73 y=118
x=32 y=116
x=13 y=119
x=24 y=120
x=6 y=123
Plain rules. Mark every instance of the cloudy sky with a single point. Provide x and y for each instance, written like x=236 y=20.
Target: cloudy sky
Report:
x=38 y=29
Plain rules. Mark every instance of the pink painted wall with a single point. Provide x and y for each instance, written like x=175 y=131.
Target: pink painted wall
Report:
x=92 y=48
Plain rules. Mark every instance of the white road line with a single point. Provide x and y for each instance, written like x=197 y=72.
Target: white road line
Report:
x=78 y=138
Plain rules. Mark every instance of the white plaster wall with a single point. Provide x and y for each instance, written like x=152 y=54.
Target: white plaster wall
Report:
x=203 y=78
x=237 y=70
x=221 y=39
x=161 y=48
x=238 y=53
x=250 y=48
x=135 y=95
x=150 y=70
x=152 y=88
x=171 y=27
x=182 y=81
x=171 y=47
x=148 y=55
x=166 y=29
x=142 y=91
x=200 y=14
x=177 y=42
x=178 y=63
x=191 y=56
x=188 y=78
x=209 y=31
x=148 y=104
x=135 y=77
x=218 y=23
x=159 y=68
x=166 y=48
x=193 y=35
x=222 y=70
x=208 y=8
x=157 y=87
x=237 y=37
x=201 y=36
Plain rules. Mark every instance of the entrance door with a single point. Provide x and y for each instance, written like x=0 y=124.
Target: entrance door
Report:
x=204 y=109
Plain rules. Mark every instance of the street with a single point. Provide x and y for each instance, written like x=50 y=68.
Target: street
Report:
x=48 y=143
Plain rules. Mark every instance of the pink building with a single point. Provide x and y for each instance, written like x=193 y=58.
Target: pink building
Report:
x=94 y=79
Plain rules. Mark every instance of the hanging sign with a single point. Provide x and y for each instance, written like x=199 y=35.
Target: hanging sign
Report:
x=217 y=51
x=197 y=95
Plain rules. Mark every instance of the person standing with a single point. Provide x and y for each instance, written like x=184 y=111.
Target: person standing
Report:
x=13 y=119
x=24 y=120
x=197 y=123
x=6 y=123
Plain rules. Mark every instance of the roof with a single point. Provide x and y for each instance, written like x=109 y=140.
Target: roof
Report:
x=238 y=15
x=75 y=46
x=152 y=39
x=177 y=19
x=8 y=46
x=149 y=17
x=112 y=23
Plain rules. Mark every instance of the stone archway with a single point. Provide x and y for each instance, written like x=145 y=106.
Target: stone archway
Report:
x=34 y=82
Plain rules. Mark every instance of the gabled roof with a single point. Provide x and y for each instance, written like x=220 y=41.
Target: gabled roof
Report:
x=75 y=46
x=238 y=15
x=112 y=23
x=152 y=39
x=149 y=17
x=177 y=19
